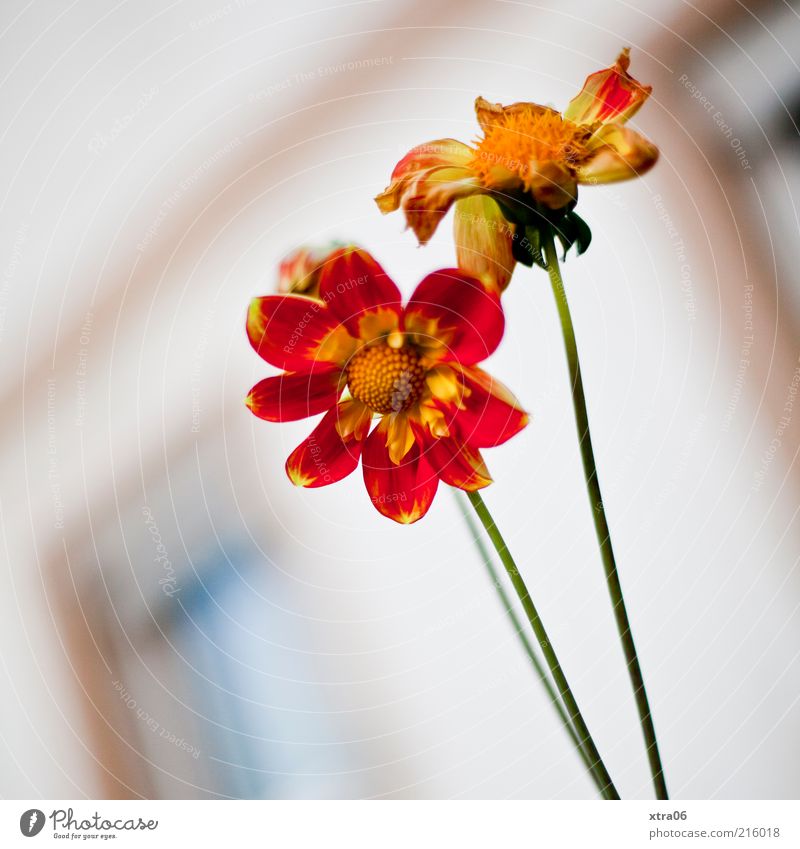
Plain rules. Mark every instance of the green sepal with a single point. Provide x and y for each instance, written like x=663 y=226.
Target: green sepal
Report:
x=573 y=230
x=534 y=224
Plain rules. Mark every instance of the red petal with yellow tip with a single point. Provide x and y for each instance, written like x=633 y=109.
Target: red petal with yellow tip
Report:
x=621 y=154
x=608 y=95
x=458 y=464
x=427 y=181
x=353 y=284
x=293 y=396
x=455 y=318
x=403 y=491
x=288 y=331
x=324 y=457
x=491 y=414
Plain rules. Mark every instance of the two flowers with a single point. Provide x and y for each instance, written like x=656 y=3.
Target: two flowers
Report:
x=400 y=386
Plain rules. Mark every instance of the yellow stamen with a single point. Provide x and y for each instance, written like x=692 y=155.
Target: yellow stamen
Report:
x=387 y=379
x=519 y=139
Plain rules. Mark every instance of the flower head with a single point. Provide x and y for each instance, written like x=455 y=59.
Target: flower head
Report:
x=298 y=272
x=358 y=355
x=526 y=165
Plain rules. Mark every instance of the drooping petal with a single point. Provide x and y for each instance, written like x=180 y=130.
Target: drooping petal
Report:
x=403 y=491
x=608 y=95
x=427 y=181
x=325 y=456
x=291 y=396
x=621 y=153
x=293 y=332
x=458 y=464
x=452 y=317
x=360 y=293
x=484 y=241
x=489 y=414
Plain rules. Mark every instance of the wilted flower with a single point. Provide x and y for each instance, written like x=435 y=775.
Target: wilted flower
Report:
x=526 y=167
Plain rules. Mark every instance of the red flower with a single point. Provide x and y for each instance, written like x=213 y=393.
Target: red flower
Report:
x=356 y=354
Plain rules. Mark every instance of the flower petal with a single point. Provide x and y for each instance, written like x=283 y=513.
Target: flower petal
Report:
x=427 y=181
x=493 y=115
x=454 y=318
x=489 y=413
x=354 y=420
x=484 y=241
x=621 y=154
x=292 y=332
x=325 y=456
x=360 y=293
x=608 y=95
x=458 y=464
x=552 y=184
x=403 y=491
x=291 y=396
x=399 y=436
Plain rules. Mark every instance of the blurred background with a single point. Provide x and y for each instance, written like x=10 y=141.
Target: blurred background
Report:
x=177 y=620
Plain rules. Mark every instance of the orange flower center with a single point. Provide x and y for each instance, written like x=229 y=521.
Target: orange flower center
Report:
x=386 y=379
x=523 y=137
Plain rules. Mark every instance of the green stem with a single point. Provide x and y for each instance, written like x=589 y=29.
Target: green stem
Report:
x=598 y=767
x=486 y=557
x=600 y=522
